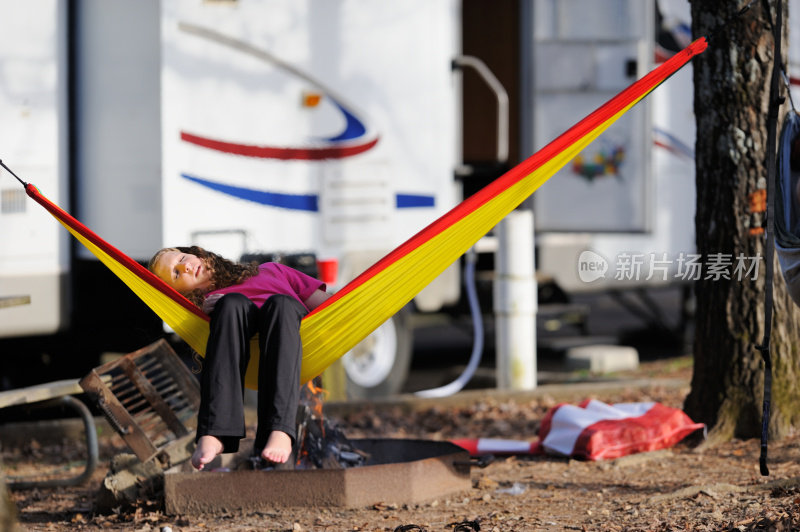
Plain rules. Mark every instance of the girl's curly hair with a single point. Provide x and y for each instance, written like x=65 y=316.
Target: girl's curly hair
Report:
x=224 y=272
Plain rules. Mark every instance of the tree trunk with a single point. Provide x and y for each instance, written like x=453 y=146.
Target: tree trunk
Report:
x=731 y=91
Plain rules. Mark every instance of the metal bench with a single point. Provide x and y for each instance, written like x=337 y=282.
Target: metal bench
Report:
x=47 y=395
x=14 y=301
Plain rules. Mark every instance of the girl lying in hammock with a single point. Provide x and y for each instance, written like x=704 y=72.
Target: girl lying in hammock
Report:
x=242 y=300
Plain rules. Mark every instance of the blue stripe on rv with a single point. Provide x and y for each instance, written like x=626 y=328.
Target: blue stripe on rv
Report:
x=299 y=202
x=405 y=201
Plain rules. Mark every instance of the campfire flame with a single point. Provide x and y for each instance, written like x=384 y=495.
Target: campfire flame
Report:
x=313 y=397
x=321 y=445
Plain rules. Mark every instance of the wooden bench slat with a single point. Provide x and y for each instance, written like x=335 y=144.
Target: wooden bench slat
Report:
x=40 y=392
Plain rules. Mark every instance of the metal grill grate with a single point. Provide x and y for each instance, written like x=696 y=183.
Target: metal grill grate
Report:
x=148 y=396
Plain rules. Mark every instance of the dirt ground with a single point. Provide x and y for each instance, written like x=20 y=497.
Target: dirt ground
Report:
x=682 y=488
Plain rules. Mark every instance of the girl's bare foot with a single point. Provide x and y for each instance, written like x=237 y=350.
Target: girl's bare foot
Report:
x=208 y=447
x=278 y=448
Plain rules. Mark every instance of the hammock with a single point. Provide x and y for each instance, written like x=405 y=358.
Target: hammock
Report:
x=376 y=295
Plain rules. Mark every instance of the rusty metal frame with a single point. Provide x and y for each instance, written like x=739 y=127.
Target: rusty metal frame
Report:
x=149 y=397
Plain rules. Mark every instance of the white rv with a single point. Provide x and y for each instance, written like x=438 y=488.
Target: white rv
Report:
x=310 y=129
x=276 y=130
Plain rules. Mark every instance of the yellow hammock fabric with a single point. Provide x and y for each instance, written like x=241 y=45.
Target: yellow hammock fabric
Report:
x=365 y=303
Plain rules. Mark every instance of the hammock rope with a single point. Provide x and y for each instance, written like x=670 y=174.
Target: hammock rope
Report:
x=24 y=184
x=775 y=102
x=362 y=305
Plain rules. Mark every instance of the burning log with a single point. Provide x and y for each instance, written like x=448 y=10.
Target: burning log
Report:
x=320 y=444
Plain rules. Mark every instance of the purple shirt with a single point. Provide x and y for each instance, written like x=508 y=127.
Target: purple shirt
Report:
x=272 y=279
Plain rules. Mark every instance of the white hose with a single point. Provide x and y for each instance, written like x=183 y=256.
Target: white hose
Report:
x=477 y=325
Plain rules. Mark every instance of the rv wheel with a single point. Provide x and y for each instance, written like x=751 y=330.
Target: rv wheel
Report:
x=378 y=366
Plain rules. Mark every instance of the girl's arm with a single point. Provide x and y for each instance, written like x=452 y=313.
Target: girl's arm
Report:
x=316 y=299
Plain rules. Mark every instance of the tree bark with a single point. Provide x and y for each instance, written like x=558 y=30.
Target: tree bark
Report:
x=731 y=91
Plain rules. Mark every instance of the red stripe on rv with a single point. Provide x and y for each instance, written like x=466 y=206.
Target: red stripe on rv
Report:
x=269 y=152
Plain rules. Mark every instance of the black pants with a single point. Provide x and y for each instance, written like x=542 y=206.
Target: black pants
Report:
x=234 y=321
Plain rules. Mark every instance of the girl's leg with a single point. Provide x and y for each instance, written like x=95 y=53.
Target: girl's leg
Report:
x=278 y=372
x=221 y=414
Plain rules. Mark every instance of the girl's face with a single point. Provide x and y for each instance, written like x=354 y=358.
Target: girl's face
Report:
x=183 y=272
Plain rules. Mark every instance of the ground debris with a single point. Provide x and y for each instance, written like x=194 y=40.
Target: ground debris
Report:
x=712 y=491
x=676 y=490
x=637 y=459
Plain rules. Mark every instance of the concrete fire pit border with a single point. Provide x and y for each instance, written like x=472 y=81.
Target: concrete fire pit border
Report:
x=399 y=472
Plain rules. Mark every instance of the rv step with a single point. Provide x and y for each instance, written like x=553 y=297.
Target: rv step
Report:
x=560 y=345
x=556 y=316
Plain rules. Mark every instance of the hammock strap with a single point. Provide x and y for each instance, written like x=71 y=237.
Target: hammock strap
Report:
x=775 y=101
x=787 y=85
x=24 y=184
x=713 y=36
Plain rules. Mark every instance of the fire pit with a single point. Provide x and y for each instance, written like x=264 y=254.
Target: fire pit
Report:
x=396 y=471
x=150 y=399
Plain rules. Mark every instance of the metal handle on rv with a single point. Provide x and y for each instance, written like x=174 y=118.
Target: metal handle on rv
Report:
x=500 y=93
